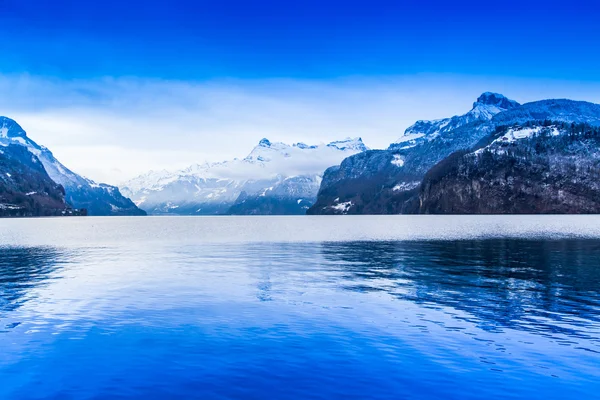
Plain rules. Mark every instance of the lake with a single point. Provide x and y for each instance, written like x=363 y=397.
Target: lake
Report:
x=371 y=307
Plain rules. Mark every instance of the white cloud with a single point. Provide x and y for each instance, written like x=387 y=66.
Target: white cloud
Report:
x=113 y=129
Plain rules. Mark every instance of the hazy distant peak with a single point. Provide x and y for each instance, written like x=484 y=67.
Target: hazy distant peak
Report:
x=268 y=160
x=264 y=142
x=355 y=144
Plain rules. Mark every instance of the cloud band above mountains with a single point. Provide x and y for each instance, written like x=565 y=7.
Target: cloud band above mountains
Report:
x=113 y=129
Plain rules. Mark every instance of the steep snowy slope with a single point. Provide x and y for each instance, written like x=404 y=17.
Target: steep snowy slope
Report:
x=98 y=199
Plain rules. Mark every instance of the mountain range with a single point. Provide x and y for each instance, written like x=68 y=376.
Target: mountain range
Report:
x=391 y=181
x=78 y=192
x=499 y=157
x=275 y=178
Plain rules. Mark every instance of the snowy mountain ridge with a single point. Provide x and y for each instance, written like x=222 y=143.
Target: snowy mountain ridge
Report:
x=484 y=109
x=266 y=161
x=270 y=169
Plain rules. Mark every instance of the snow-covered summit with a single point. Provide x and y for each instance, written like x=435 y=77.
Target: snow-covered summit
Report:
x=9 y=128
x=488 y=105
x=349 y=144
x=267 y=150
x=484 y=109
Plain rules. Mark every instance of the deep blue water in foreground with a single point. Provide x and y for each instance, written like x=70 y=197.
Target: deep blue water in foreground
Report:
x=300 y=308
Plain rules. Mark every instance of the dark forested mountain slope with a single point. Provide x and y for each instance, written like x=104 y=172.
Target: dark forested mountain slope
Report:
x=535 y=168
x=26 y=190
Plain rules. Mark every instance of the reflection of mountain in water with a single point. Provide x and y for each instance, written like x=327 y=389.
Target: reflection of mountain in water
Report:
x=538 y=286
x=22 y=269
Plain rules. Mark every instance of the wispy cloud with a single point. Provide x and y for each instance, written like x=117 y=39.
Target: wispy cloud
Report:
x=113 y=129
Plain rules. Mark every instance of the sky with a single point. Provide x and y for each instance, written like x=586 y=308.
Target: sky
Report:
x=117 y=88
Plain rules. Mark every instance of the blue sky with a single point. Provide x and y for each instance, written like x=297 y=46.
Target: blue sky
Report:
x=299 y=39
x=111 y=77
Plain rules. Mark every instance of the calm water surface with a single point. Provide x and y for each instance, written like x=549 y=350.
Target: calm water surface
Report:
x=300 y=308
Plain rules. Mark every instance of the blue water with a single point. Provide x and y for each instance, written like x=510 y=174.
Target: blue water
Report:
x=300 y=308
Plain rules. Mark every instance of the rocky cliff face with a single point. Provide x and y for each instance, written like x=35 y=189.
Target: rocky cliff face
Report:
x=535 y=168
x=26 y=190
x=80 y=192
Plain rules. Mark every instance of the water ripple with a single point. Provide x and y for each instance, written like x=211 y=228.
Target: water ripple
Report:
x=466 y=319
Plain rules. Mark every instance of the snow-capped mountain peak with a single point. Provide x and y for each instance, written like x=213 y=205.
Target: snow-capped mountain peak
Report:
x=349 y=144
x=267 y=151
x=10 y=128
x=303 y=146
x=484 y=109
x=490 y=104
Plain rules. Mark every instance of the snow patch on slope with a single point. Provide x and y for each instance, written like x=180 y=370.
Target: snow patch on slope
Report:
x=342 y=208
x=403 y=186
x=398 y=160
x=523 y=133
x=518 y=133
